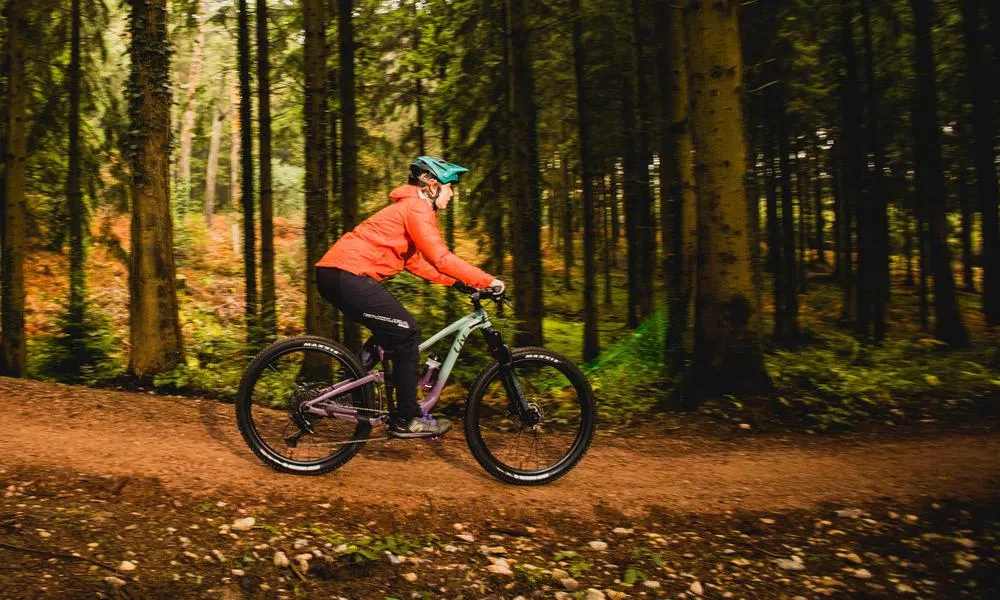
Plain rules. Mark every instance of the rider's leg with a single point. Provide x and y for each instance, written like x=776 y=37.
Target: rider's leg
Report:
x=366 y=301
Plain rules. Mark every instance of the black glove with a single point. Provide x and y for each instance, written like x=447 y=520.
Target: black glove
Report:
x=465 y=289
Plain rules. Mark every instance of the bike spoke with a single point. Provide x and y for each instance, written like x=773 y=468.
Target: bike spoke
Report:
x=552 y=399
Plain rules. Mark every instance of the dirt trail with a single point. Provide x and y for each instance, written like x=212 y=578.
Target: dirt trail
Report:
x=193 y=446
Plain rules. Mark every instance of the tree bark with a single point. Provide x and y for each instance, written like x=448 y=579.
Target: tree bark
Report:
x=567 y=223
x=786 y=321
x=948 y=325
x=615 y=216
x=12 y=290
x=924 y=309
x=908 y=249
x=727 y=352
x=526 y=209
x=189 y=113
x=74 y=192
x=802 y=205
x=678 y=201
x=268 y=308
x=984 y=150
x=606 y=239
x=591 y=346
x=332 y=148
x=851 y=155
x=318 y=311
x=644 y=203
x=212 y=169
x=773 y=224
x=348 y=142
x=153 y=310
x=246 y=168
x=877 y=219
x=819 y=219
x=966 y=235
x=234 y=146
x=630 y=197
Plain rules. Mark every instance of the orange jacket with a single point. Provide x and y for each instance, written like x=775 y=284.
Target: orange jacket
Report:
x=403 y=235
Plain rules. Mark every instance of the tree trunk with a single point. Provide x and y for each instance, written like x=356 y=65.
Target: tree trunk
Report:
x=567 y=224
x=318 y=311
x=12 y=290
x=590 y=341
x=615 y=217
x=819 y=219
x=189 y=113
x=727 y=351
x=836 y=181
x=526 y=209
x=268 y=310
x=948 y=325
x=333 y=173
x=908 y=249
x=786 y=322
x=678 y=201
x=74 y=193
x=877 y=219
x=983 y=132
x=348 y=143
x=606 y=240
x=246 y=164
x=644 y=203
x=802 y=197
x=773 y=224
x=924 y=268
x=851 y=155
x=212 y=169
x=966 y=208
x=234 y=146
x=630 y=189
x=153 y=310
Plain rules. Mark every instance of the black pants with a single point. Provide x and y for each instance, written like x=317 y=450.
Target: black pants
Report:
x=366 y=301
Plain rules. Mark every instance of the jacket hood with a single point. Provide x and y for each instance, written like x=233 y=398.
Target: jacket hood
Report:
x=404 y=192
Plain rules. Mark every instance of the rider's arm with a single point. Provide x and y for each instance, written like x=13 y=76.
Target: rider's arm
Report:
x=416 y=264
x=421 y=223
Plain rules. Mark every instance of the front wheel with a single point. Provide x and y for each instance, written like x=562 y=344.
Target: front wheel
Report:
x=544 y=445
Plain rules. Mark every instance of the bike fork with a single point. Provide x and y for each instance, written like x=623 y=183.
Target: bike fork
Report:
x=501 y=353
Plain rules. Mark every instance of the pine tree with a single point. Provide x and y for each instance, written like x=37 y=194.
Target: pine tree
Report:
x=727 y=351
x=153 y=311
x=526 y=209
x=948 y=325
x=246 y=168
x=318 y=311
x=268 y=310
x=12 y=348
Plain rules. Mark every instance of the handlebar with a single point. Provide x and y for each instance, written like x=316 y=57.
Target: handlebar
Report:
x=495 y=293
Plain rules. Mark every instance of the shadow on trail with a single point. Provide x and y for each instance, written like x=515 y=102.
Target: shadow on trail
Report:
x=219 y=421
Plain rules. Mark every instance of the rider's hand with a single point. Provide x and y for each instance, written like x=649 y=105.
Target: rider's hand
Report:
x=497 y=287
x=461 y=287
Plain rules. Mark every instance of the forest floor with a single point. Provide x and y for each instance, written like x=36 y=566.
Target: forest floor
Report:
x=121 y=494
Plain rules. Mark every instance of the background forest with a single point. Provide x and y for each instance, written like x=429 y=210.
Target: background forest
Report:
x=789 y=201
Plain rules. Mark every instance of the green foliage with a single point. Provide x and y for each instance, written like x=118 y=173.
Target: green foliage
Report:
x=215 y=359
x=837 y=382
x=627 y=378
x=86 y=351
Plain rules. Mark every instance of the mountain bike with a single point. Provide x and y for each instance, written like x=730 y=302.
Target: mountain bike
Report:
x=307 y=405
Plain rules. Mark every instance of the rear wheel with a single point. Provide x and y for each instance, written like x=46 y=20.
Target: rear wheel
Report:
x=546 y=443
x=273 y=390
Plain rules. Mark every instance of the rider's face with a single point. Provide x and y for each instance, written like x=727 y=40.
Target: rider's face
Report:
x=444 y=196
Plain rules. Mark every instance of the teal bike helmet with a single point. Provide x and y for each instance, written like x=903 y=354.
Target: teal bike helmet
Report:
x=442 y=170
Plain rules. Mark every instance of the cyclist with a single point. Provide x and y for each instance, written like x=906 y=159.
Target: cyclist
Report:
x=401 y=236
